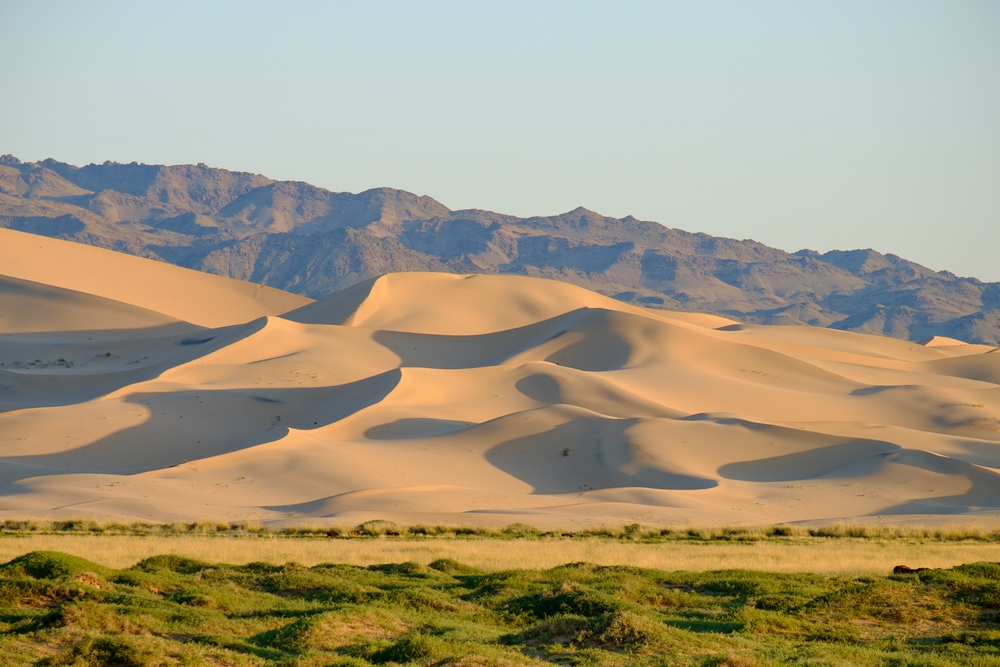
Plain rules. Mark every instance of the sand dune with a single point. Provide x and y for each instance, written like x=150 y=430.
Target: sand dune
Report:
x=132 y=390
x=172 y=291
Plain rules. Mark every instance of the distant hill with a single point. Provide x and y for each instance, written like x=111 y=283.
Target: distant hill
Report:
x=304 y=239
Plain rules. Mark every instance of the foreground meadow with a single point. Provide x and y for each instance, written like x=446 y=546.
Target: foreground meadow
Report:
x=62 y=610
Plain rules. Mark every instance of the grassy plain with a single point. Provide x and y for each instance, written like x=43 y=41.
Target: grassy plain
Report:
x=83 y=594
x=58 y=610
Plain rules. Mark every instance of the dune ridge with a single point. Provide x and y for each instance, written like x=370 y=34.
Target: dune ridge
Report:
x=137 y=390
x=182 y=294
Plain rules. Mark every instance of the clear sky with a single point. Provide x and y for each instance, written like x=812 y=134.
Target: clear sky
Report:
x=824 y=125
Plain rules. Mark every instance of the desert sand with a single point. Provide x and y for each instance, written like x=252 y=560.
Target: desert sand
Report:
x=135 y=390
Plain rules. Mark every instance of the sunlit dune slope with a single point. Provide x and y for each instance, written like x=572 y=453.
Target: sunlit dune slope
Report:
x=456 y=305
x=175 y=292
x=480 y=400
x=27 y=306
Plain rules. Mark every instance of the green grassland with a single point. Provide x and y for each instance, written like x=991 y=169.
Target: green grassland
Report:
x=59 y=610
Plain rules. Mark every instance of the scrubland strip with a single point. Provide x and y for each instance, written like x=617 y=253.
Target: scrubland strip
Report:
x=382 y=528
x=821 y=556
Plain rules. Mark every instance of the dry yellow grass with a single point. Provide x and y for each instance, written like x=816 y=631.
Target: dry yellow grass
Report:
x=825 y=556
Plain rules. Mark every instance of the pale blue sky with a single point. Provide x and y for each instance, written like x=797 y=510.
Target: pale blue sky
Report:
x=799 y=124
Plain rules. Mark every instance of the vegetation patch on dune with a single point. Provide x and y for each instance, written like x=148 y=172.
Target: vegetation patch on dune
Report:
x=59 y=610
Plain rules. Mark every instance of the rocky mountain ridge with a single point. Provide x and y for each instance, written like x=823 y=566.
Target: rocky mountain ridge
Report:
x=308 y=240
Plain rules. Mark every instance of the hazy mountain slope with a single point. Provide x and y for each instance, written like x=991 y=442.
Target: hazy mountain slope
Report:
x=305 y=239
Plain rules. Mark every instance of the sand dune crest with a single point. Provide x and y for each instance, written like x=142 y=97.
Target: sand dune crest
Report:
x=135 y=390
x=183 y=294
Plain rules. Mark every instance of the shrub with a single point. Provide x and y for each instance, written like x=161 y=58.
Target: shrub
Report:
x=569 y=598
x=50 y=565
x=408 y=568
x=380 y=527
x=452 y=567
x=101 y=652
x=172 y=563
x=633 y=531
x=520 y=530
x=631 y=631
x=411 y=648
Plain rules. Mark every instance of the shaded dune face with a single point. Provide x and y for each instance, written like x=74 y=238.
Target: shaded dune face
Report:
x=476 y=400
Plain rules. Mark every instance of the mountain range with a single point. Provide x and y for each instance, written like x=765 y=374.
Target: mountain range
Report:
x=310 y=241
